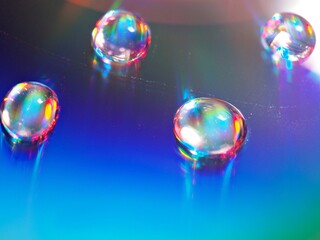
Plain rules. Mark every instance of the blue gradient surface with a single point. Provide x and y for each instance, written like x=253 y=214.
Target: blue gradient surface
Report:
x=111 y=169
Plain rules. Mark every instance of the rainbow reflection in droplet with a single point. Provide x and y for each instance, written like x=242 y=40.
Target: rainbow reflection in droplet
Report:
x=209 y=128
x=289 y=37
x=121 y=37
x=29 y=112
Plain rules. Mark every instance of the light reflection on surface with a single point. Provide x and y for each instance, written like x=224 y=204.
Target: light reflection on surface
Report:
x=305 y=9
x=22 y=151
x=227 y=174
x=192 y=13
x=107 y=68
x=118 y=173
x=220 y=174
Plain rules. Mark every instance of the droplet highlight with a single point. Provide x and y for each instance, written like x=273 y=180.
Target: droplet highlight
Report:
x=288 y=36
x=209 y=128
x=29 y=112
x=121 y=37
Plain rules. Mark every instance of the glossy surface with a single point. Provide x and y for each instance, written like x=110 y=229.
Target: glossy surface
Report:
x=210 y=128
x=289 y=36
x=111 y=169
x=121 y=37
x=29 y=112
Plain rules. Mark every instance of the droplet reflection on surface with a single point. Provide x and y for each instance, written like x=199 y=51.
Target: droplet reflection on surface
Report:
x=121 y=37
x=209 y=128
x=289 y=37
x=29 y=112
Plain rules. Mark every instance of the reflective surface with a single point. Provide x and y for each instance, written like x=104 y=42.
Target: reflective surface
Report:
x=111 y=169
x=121 y=37
x=209 y=128
x=288 y=36
x=29 y=112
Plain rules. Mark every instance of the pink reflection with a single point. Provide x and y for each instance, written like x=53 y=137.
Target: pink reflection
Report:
x=190 y=11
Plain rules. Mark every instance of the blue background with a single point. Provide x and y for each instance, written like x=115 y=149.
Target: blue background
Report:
x=111 y=169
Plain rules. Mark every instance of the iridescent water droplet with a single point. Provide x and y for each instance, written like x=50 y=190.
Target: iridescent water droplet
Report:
x=209 y=128
x=289 y=37
x=29 y=112
x=121 y=37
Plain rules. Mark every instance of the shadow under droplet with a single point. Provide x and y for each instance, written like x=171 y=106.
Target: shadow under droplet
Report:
x=23 y=151
x=204 y=164
x=107 y=68
x=278 y=62
x=220 y=171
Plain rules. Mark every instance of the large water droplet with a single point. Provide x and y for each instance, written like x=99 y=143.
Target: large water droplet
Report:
x=121 y=37
x=289 y=36
x=29 y=112
x=209 y=128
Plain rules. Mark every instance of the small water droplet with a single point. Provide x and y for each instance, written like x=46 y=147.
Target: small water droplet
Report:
x=289 y=37
x=209 y=128
x=29 y=112
x=121 y=37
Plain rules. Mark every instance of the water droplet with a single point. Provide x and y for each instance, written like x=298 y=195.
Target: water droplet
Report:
x=121 y=37
x=29 y=112
x=289 y=37
x=209 y=128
